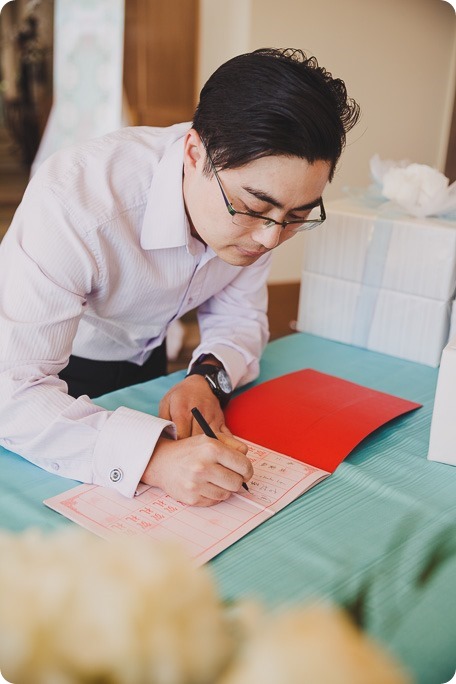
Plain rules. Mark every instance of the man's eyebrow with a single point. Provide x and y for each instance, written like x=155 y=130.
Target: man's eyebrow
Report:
x=264 y=197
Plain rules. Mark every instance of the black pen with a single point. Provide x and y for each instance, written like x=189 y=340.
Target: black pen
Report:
x=208 y=431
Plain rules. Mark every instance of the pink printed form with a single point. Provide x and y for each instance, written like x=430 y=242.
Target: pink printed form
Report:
x=204 y=532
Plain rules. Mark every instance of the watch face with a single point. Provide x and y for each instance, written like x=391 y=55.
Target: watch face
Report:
x=224 y=382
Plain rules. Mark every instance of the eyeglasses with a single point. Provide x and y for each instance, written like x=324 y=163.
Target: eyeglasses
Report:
x=245 y=219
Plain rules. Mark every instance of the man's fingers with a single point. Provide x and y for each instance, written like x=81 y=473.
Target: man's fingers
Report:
x=199 y=470
x=233 y=442
x=214 y=493
x=225 y=429
x=235 y=461
x=207 y=493
x=218 y=465
x=206 y=502
x=226 y=479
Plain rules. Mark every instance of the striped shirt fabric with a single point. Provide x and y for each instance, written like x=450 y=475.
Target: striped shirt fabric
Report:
x=98 y=261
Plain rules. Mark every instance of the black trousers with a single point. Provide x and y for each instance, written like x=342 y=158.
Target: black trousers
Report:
x=85 y=376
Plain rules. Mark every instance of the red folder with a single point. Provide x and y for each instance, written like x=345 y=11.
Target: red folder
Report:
x=314 y=417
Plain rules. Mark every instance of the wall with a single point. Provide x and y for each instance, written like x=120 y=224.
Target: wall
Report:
x=397 y=58
x=224 y=30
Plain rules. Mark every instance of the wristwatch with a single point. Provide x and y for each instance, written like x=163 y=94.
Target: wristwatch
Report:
x=217 y=379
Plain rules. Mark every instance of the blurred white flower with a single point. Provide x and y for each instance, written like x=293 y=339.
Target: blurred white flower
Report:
x=74 y=608
x=316 y=645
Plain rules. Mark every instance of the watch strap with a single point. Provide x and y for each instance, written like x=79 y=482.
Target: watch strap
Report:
x=209 y=371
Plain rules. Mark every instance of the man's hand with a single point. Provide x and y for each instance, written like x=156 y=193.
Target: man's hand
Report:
x=198 y=470
x=177 y=404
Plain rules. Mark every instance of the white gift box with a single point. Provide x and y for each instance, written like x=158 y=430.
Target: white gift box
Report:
x=379 y=280
x=442 y=441
x=452 y=321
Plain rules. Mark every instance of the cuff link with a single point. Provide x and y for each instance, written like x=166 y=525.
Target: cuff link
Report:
x=116 y=475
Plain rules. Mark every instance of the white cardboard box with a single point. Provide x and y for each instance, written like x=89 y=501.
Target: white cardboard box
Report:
x=442 y=442
x=452 y=321
x=407 y=326
x=404 y=254
x=380 y=282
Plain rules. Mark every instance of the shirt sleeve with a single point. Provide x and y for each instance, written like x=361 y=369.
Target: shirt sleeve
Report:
x=234 y=323
x=45 y=275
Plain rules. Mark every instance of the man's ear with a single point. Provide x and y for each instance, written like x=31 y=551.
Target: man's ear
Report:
x=194 y=155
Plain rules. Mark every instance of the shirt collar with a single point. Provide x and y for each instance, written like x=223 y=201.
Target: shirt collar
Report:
x=165 y=223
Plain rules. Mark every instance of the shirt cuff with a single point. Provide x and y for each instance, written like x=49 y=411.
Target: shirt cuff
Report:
x=124 y=448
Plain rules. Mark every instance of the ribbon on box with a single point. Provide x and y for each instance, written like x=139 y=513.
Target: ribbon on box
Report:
x=374 y=266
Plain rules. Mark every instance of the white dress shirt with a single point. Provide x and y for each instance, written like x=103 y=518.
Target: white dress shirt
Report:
x=98 y=261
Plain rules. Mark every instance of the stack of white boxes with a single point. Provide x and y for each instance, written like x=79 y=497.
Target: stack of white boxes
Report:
x=380 y=280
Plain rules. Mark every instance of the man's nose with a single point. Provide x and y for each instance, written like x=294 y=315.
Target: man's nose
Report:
x=268 y=237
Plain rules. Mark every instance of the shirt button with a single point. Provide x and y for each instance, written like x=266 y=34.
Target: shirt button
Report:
x=55 y=466
x=116 y=475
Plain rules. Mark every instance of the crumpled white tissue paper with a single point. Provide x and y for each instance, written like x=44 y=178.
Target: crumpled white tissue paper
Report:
x=418 y=189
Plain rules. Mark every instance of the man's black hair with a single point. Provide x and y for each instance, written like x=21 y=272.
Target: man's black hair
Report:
x=274 y=102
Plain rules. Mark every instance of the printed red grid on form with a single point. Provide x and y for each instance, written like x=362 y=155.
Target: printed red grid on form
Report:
x=203 y=532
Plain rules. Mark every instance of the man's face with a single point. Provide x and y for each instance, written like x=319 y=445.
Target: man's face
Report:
x=277 y=187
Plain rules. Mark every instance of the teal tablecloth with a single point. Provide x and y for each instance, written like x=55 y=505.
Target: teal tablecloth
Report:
x=378 y=536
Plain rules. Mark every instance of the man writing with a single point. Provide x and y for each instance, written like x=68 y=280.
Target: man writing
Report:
x=118 y=237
